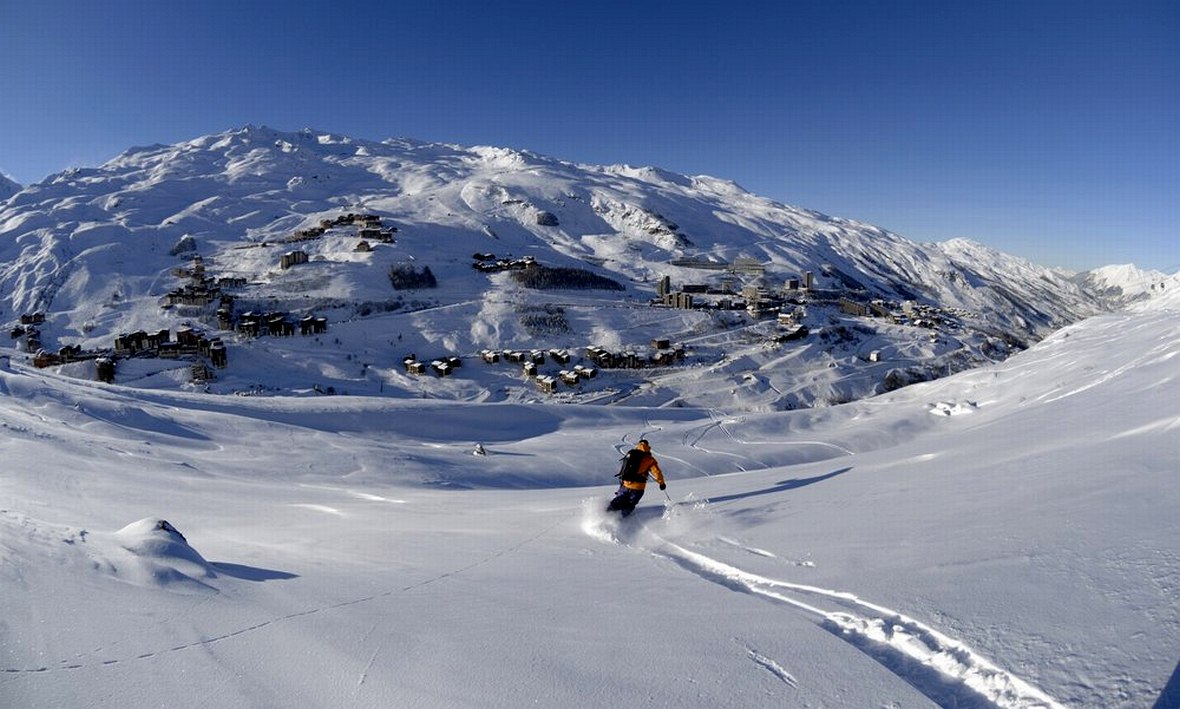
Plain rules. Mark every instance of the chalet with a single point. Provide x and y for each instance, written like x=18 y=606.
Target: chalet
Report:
x=547 y=384
x=560 y=356
x=201 y=372
x=311 y=325
x=104 y=369
x=751 y=266
x=661 y=343
x=416 y=367
x=278 y=326
x=585 y=372
x=490 y=356
x=629 y=359
x=45 y=359
x=363 y=247
x=195 y=295
x=441 y=368
x=663 y=358
x=205 y=345
x=569 y=377
x=128 y=344
x=292 y=258
x=601 y=357
x=188 y=338
x=530 y=369
x=880 y=309
x=70 y=353
x=250 y=326
x=664 y=286
x=852 y=307
x=681 y=300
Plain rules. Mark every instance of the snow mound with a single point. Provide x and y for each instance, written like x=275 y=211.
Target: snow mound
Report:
x=156 y=554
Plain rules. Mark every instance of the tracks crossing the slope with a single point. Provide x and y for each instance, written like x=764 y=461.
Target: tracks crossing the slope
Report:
x=942 y=668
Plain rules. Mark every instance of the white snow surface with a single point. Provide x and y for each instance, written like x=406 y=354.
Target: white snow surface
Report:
x=1004 y=537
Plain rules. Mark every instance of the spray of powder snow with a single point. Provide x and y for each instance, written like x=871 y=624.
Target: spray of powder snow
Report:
x=647 y=526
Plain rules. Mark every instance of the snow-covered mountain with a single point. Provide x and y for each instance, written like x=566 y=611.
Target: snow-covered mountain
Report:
x=96 y=251
x=1126 y=283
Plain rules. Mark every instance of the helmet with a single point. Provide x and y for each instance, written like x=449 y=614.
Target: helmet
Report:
x=643 y=445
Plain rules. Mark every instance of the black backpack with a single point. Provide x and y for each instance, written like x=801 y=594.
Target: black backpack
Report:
x=629 y=471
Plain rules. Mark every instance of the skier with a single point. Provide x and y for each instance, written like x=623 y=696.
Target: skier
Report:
x=638 y=464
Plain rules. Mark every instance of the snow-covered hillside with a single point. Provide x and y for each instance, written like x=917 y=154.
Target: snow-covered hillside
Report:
x=98 y=251
x=1004 y=537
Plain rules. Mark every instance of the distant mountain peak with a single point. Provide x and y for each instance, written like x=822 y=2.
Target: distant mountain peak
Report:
x=8 y=187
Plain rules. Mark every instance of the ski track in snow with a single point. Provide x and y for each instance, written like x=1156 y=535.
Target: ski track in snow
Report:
x=944 y=669
x=771 y=666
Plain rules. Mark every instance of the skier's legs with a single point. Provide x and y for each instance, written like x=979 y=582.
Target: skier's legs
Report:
x=625 y=501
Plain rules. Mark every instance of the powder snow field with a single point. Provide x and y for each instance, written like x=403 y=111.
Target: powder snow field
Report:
x=1006 y=537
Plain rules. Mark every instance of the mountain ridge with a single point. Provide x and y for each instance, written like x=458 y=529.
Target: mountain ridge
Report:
x=97 y=248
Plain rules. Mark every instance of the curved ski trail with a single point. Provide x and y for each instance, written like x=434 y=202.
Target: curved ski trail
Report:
x=944 y=669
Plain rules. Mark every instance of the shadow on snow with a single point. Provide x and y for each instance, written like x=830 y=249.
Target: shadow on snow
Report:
x=251 y=573
x=783 y=486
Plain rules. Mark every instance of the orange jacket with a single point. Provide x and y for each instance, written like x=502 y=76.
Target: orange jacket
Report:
x=649 y=466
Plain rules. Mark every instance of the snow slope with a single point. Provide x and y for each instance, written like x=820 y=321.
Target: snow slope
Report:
x=1004 y=537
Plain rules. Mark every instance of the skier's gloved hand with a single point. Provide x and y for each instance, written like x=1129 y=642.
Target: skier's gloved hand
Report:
x=663 y=486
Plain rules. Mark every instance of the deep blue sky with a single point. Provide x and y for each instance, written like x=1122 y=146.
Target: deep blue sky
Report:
x=1050 y=130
